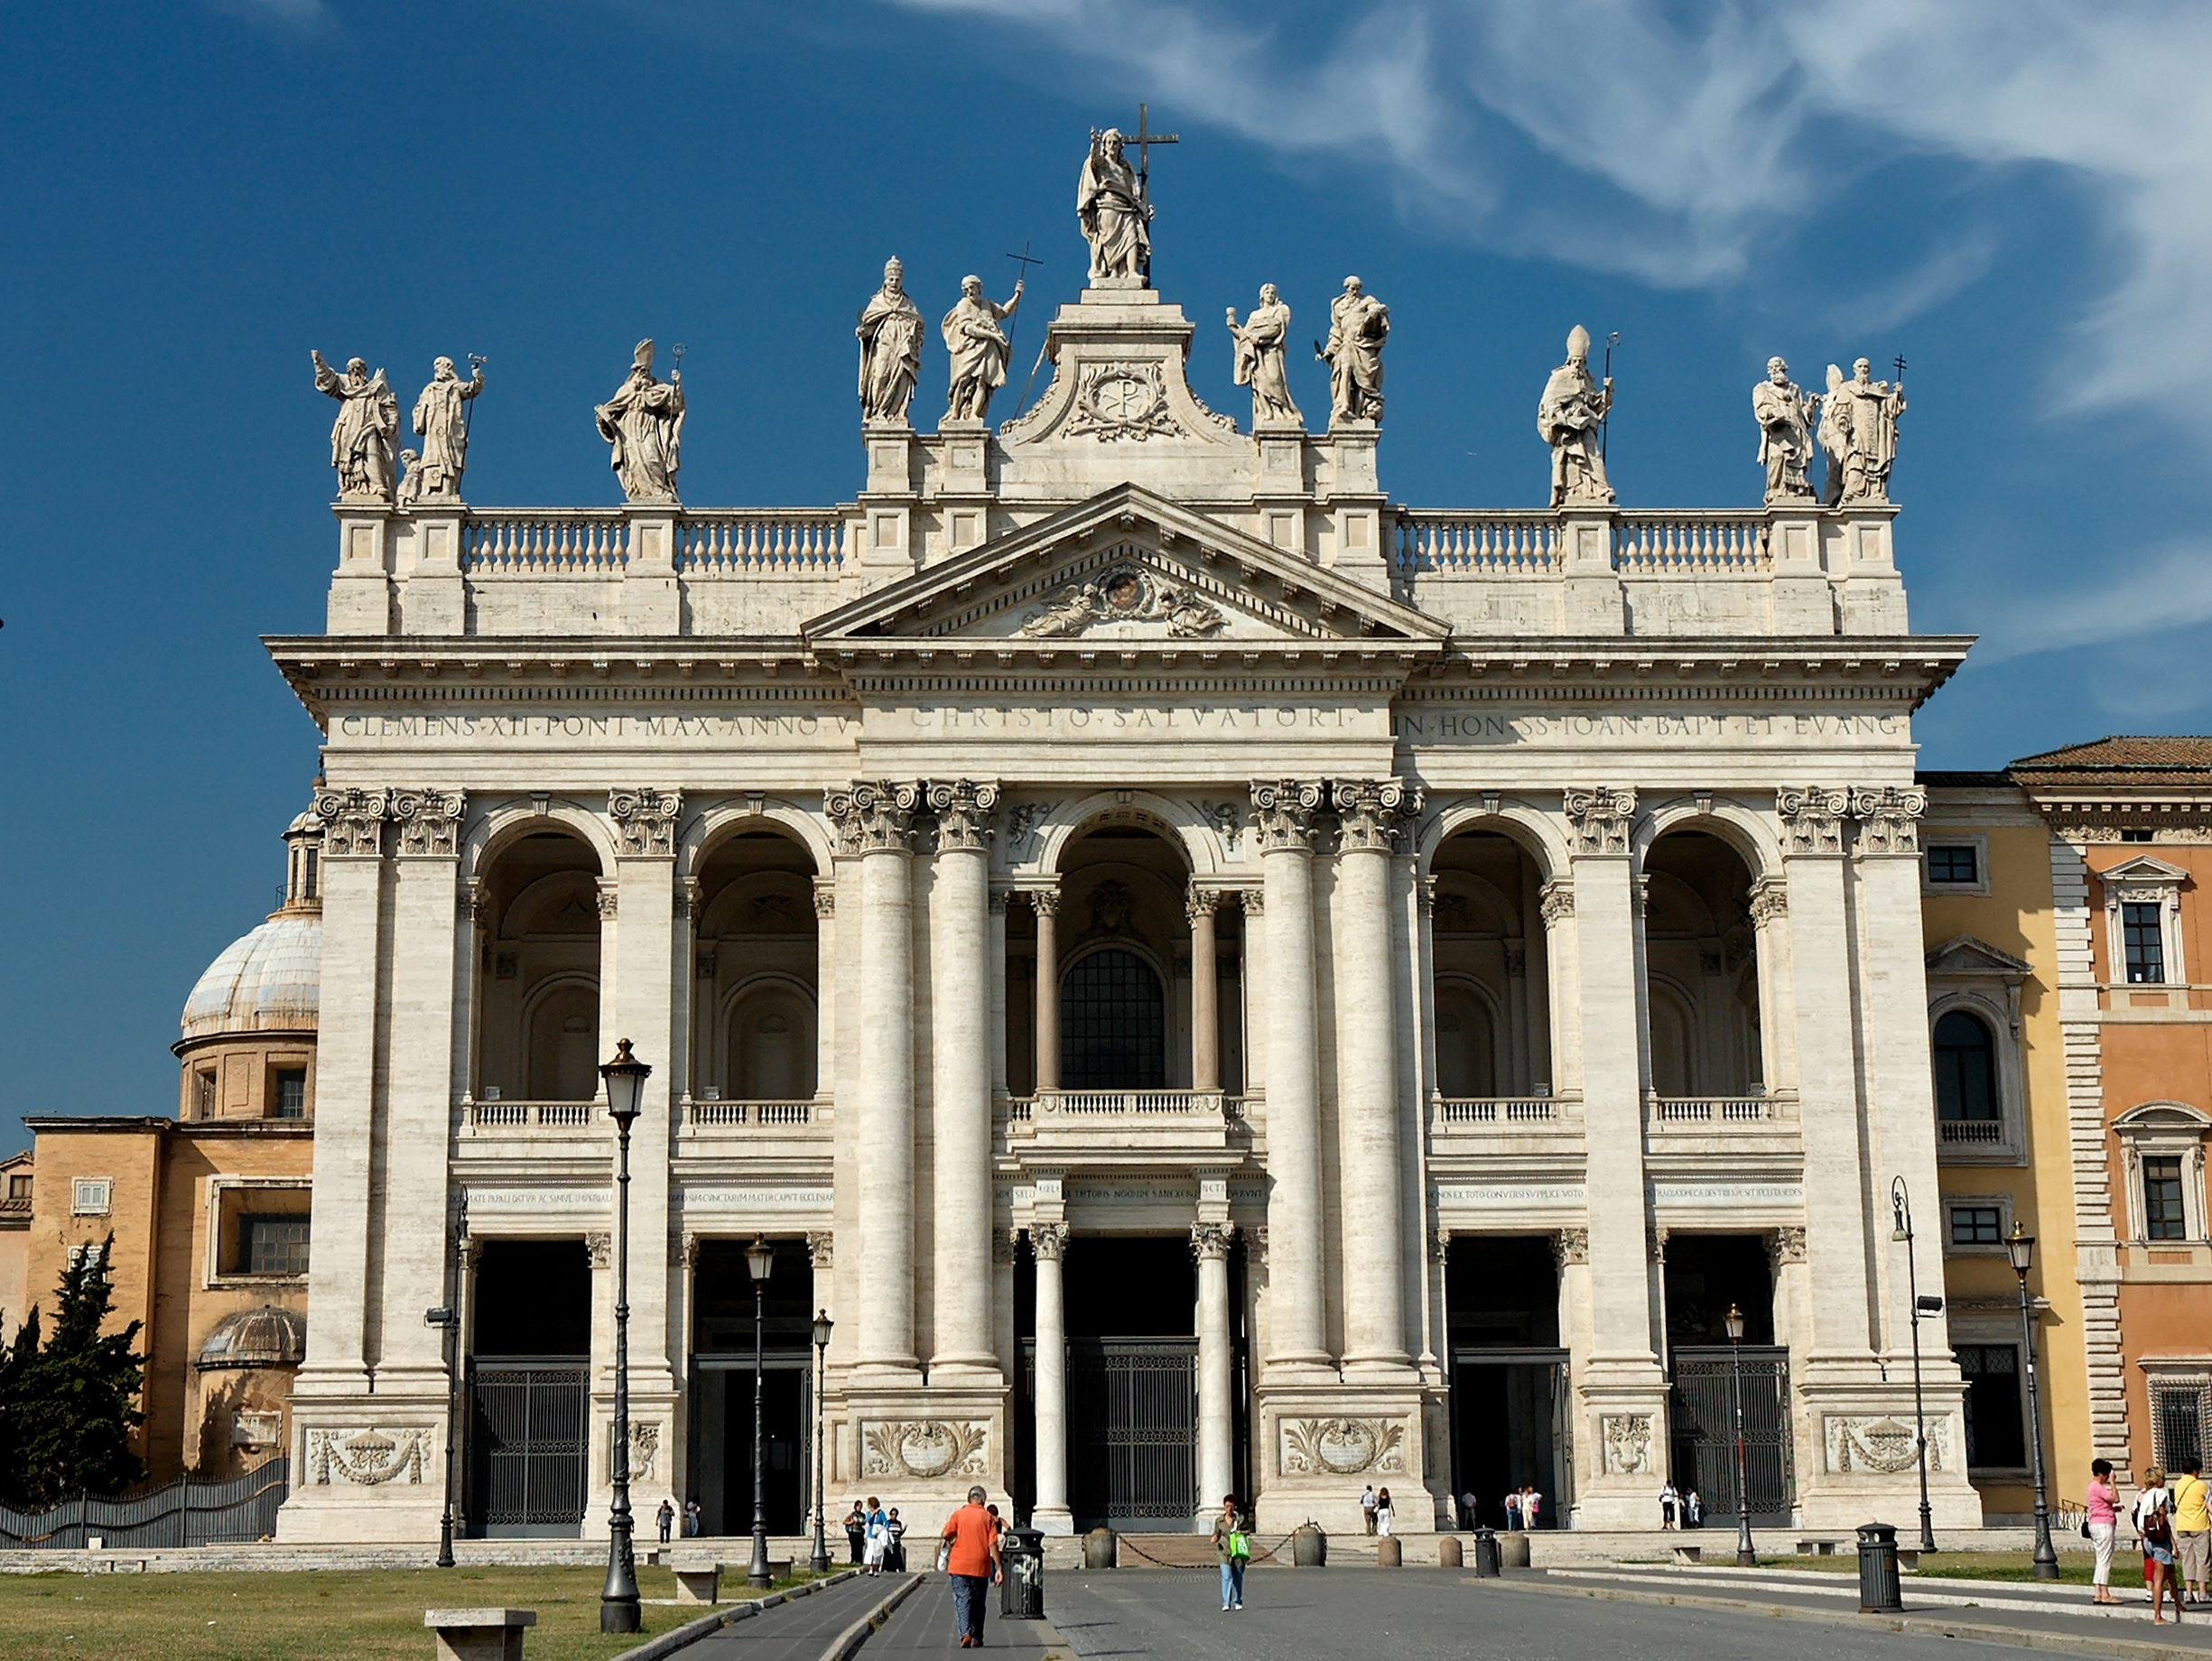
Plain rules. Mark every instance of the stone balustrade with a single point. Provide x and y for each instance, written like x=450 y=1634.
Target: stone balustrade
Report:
x=700 y=1115
x=1703 y=1112
x=1497 y=1111
x=499 y=1117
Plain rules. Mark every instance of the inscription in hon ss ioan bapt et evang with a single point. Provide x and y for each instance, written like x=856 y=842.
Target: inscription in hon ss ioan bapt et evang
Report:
x=1643 y=727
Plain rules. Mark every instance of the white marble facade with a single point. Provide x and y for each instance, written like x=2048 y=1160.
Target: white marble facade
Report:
x=1116 y=611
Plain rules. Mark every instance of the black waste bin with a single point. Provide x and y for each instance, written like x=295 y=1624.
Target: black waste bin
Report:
x=1879 y=1592
x=1021 y=1556
x=1485 y=1554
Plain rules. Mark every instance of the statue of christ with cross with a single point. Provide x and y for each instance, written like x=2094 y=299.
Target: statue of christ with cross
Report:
x=1113 y=205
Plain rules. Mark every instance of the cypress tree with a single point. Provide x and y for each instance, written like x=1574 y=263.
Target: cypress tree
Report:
x=74 y=1401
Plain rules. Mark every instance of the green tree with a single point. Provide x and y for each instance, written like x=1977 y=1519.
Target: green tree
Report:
x=68 y=1408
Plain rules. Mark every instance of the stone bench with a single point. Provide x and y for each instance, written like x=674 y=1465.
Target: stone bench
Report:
x=698 y=1584
x=479 y=1634
x=1818 y=1548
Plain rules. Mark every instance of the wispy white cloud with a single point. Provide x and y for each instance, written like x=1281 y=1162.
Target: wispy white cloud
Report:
x=1673 y=143
x=292 y=16
x=2169 y=590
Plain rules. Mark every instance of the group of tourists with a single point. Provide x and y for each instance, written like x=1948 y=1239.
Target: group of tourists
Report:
x=2173 y=1530
x=1375 y=1511
x=1678 y=1509
x=878 y=1537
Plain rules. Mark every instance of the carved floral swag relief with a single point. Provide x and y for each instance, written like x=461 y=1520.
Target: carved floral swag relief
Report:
x=367 y=1458
x=1124 y=594
x=923 y=1448
x=1342 y=1447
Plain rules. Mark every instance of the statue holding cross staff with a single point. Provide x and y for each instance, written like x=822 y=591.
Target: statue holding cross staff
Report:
x=1113 y=205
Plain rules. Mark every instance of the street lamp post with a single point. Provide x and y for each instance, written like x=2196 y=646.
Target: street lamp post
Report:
x=626 y=1083
x=759 y=1257
x=819 y=1561
x=1745 y=1556
x=447 y=1319
x=1901 y=1212
x=2021 y=1249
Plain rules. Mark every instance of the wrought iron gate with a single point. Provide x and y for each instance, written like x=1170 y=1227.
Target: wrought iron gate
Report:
x=527 y=1447
x=1132 y=1433
x=1704 y=1424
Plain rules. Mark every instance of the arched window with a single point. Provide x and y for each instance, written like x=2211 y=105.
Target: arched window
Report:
x=1113 y=1023
x=1966 y=1071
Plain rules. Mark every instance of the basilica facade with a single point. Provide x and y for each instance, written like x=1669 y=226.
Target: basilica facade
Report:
x=1214 y=980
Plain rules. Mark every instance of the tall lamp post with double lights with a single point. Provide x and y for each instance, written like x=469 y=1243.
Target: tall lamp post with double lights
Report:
x=2020 y=1248
x=1901 y=1214
x=626 y=1078
x=819 y=1561
x=759 y=1258
x=1745 y=1555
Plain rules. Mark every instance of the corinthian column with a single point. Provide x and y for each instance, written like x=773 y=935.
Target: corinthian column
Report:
x=1046 y=1022
x=1051 y=1513
x=1205 y=987
x=873 y=821
x=1373 y=816
x=1282 y=813
x=1216 y=1420
x=959 y=1077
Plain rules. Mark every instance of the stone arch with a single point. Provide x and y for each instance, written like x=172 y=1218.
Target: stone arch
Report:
x=1752 y=835
x=700 y=833
x=1181 y=824
x=752 y=1069
x=1539 y=834
x=560 y=1033
x=503 y=824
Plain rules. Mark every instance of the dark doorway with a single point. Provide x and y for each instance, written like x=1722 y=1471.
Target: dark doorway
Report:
x=1511 y=1414
x=529 y=1391
x=1706 y=1274
x=722 y=1429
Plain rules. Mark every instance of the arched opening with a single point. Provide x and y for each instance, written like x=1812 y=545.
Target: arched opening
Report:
x=756 y=957
x=538 y=1013
x=1491 y=968
x=1701 y=969
x=1965 y=1064
x=1114 y=1023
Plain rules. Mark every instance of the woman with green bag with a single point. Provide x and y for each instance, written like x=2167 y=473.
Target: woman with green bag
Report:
x=1232 y=1544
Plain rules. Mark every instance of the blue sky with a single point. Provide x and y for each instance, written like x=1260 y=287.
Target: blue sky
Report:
x=2012 y=197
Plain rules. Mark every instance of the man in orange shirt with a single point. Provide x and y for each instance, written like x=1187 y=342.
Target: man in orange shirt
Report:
x=971 y=1560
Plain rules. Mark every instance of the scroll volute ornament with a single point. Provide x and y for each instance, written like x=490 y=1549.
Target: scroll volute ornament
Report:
x=352 y=821
x=964 y=811
x=874 y=815
x=1599 y=817
x=1812 y=818
x=644 y=821
x=1283 y=810
x=429 y=821
x=1888 y=819
x=1374 y=813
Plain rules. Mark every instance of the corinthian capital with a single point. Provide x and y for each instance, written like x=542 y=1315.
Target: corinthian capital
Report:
x=1888 y=819
x=1283 y=811
x=964 y=811
x=429 y=821
x=872 y=816
x=1211 y=1239
x=1599 y=816
x=644 y=821
x=1812 y=818
x=352 y=821
x=1374 y=813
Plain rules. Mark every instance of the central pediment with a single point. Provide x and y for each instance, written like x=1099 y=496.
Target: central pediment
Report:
x=1129 y=571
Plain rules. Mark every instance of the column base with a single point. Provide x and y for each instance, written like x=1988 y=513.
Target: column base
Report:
x=1320 y=1443
x=1053 y=1520
x=1622 y=1406
x=1855 y=1458
x=365 y=1469
x=921 y=1447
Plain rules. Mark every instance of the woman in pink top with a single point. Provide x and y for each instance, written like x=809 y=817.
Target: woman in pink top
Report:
x=2103 y=1501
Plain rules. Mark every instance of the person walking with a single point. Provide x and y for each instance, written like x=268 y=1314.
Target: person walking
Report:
x=2154 y=1531
x=1233 y=1545
x=1382 y=1512
x=1367 y=1507
x=895 y=1553
x=2103 y=1500
x=1467 y=1518
x=1531 y=1502
x=666 y=1518
x=969 y=1545
x=856 y=1532
x=694 y=1516
x=879 y=1537
x=2192 y=1531
x=1512 y=1510
x=1693 y=1511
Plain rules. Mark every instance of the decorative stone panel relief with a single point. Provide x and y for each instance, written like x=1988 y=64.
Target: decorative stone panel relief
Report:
x=1123 y=594
x=429 y=822
x=644 y=821
x=1375 y=812
x=1627 y=1437
x=873 y=815
x=1812 y=819
x=645 y=1448
x=1283 y=810
x=1340 y=1447
x=1121 y=400
x=1599 y=816
x=370 y=1457
x=1882 y=1445
x=964 y=811
x=1556 y=900
x=925 y=1449
x=1888 y=819
x=352 y=821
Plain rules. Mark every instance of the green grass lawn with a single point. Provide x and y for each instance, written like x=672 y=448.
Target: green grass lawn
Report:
x=2074 y=1567
x=343 y=1616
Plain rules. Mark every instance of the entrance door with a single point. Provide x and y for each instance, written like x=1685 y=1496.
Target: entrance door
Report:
x=1132 y=1433
x=722 y=1447
x=527 y=1448
x=1705 y=1435
x=1510 y=1430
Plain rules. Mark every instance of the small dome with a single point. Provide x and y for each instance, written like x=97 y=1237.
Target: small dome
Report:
x=264 y=1337
x=268 y=981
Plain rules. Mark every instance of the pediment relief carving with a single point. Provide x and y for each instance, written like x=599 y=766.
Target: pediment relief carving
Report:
x=1125 y=599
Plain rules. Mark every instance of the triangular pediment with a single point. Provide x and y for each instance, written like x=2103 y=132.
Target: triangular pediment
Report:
x=2142 y=869
x=1128 y=570
x=1963 y=954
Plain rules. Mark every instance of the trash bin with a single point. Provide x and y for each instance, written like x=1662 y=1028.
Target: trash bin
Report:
x=1021 y=1590
x=1309 y=1546
x=1102 y=1549
x=1485 y=1554
x=1447 y=1552
x=1878 y=1594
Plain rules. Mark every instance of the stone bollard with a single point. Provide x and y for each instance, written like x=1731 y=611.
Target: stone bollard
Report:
x=1388 y=1552
x=699 y=1583
x=1102 y=1549
x=479 y=1634
x=1512 y=1551
x=1449 y=1552
x=1309 y=1546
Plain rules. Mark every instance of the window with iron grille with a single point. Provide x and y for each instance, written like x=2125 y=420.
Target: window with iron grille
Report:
x=1113 y=1023
x=2162 y=1215
x=291 y=1094
x=274 y=1245
x=1953 y=862
x=203 y=1094
x=2145 y=944
x=1976 y=1225
x=1995 y=1435
x=2180 y=1409
x=1964 y=1060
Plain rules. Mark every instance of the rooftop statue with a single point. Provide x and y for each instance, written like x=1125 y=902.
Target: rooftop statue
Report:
x=441 y=422
x=1110 y=206
x=643 y=424
x=1358 y=325
x=1835 y=435
x=1873 y=408
x=1785 y=414
x=1567 y=417
x=890 y=334
x=978 y=350
x=1262 y=359
x=368 y=422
